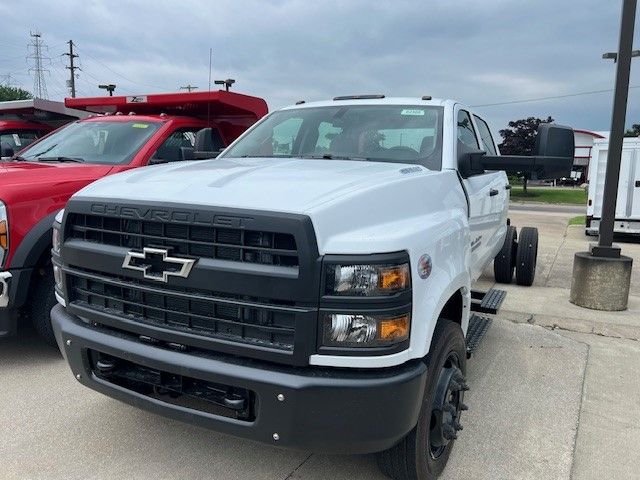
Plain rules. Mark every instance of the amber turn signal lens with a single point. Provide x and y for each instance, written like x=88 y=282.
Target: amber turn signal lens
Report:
x=3 y=235
x=394 y=278
x=396 y=328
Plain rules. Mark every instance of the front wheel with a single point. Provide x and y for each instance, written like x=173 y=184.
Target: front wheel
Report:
x=423 y=453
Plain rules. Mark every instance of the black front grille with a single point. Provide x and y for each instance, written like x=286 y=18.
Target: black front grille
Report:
x=223 y=243
x=168 y=387
x=250 y=321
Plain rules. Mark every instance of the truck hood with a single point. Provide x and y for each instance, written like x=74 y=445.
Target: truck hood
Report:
x=355 y=206
x=29 y=181
x=285 y=185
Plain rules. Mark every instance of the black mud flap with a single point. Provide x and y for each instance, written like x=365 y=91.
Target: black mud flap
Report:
x=478 y=326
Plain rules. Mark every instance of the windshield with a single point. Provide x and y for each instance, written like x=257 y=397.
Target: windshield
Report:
x=382 y=133
x=101 y=142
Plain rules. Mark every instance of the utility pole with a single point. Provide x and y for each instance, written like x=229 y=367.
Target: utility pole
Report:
x=35 y=53
x=189 y=88
x=72 y=69
x=601 y=276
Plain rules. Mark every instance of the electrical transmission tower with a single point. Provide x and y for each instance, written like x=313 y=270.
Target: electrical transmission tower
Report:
x=8 y=80
x=36 y=47
x=72 y=69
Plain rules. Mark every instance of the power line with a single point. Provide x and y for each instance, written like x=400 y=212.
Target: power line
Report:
x=119 y=74
x=39 y=85
x=553 y=97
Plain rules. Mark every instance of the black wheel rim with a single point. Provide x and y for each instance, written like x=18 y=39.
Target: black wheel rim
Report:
x=446 y=406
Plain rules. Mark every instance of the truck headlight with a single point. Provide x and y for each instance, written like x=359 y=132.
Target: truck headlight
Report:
x=57 y=227
x=365 y=330
x=367 y=280
x=4 y=234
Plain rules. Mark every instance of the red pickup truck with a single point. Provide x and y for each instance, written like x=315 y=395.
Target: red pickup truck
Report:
x=128 y=132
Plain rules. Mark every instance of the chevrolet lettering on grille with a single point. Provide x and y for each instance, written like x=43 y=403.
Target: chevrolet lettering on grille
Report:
x=156 y=264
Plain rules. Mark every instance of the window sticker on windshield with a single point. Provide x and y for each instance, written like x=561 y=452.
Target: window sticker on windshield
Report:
x=412 y=111
x=140 y=125
x=16 y=140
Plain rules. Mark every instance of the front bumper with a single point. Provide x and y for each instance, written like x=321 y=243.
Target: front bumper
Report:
x=310 y=408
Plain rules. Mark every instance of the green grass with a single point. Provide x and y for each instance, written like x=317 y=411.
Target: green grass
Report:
x=569 y=196
x=579 y=220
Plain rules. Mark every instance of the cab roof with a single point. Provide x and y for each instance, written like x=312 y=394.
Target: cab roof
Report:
x=374 y=100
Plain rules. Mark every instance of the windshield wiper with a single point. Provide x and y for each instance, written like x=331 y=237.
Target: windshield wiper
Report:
x=330 y=156
x=61 y=159
x=18 y=158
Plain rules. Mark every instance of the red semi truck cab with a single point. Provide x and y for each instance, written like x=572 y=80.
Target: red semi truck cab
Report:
x=123 y=133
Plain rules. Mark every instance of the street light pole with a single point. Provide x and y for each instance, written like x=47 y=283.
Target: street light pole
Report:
x=605 y=246
x=601 y=276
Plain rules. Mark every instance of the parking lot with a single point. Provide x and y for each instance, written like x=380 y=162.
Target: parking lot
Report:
x=554 y=394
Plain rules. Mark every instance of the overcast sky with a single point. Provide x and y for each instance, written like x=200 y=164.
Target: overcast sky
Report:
x=479 y=52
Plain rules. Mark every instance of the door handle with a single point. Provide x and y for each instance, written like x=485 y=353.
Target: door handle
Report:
x=637 y=183
x=493 y=192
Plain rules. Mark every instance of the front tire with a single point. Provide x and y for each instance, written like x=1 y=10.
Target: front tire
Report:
x=423 y=453
x=43 y=299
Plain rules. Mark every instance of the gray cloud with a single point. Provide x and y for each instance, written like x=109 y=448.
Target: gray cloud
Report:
x=479 y=52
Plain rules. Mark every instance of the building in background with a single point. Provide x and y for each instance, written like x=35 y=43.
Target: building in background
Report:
x=584 y=140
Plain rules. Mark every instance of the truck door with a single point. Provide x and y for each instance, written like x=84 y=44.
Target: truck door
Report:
x=631 y=162
x=487 y=198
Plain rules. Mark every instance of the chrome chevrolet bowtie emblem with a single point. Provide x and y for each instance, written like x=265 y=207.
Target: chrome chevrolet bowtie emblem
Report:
x=156 y=264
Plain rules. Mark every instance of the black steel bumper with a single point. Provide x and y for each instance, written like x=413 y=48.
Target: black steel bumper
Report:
x=317 y=409
x=14 y=285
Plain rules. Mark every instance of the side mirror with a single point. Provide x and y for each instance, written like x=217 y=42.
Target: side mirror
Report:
x=554 y=141
x=6 y=150
x=469 y=161
x=552 y=155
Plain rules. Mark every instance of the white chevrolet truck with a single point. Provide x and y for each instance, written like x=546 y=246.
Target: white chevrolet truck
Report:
x=311 y=286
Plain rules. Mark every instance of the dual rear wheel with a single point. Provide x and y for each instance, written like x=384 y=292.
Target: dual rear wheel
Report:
x=519 y=255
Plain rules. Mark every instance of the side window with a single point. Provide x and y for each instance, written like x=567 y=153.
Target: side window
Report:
x=170 y=150
x=466 y=133
x=284 y=136
x=485 y=135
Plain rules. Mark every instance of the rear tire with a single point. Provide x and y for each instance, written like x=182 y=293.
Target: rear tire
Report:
x=423 y=453
x=43 y=299
x=527 y=256
x=505 y=262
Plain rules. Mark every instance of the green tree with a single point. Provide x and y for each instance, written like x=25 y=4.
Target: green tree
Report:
x=520 y=139
x=634 y=131
x=13 y=93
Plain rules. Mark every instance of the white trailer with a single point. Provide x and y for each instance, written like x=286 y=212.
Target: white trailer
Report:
x=627 y=219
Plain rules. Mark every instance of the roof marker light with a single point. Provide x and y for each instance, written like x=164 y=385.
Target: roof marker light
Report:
x=358 y=97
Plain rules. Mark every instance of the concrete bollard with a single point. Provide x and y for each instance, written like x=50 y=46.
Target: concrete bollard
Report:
x=600 y=283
